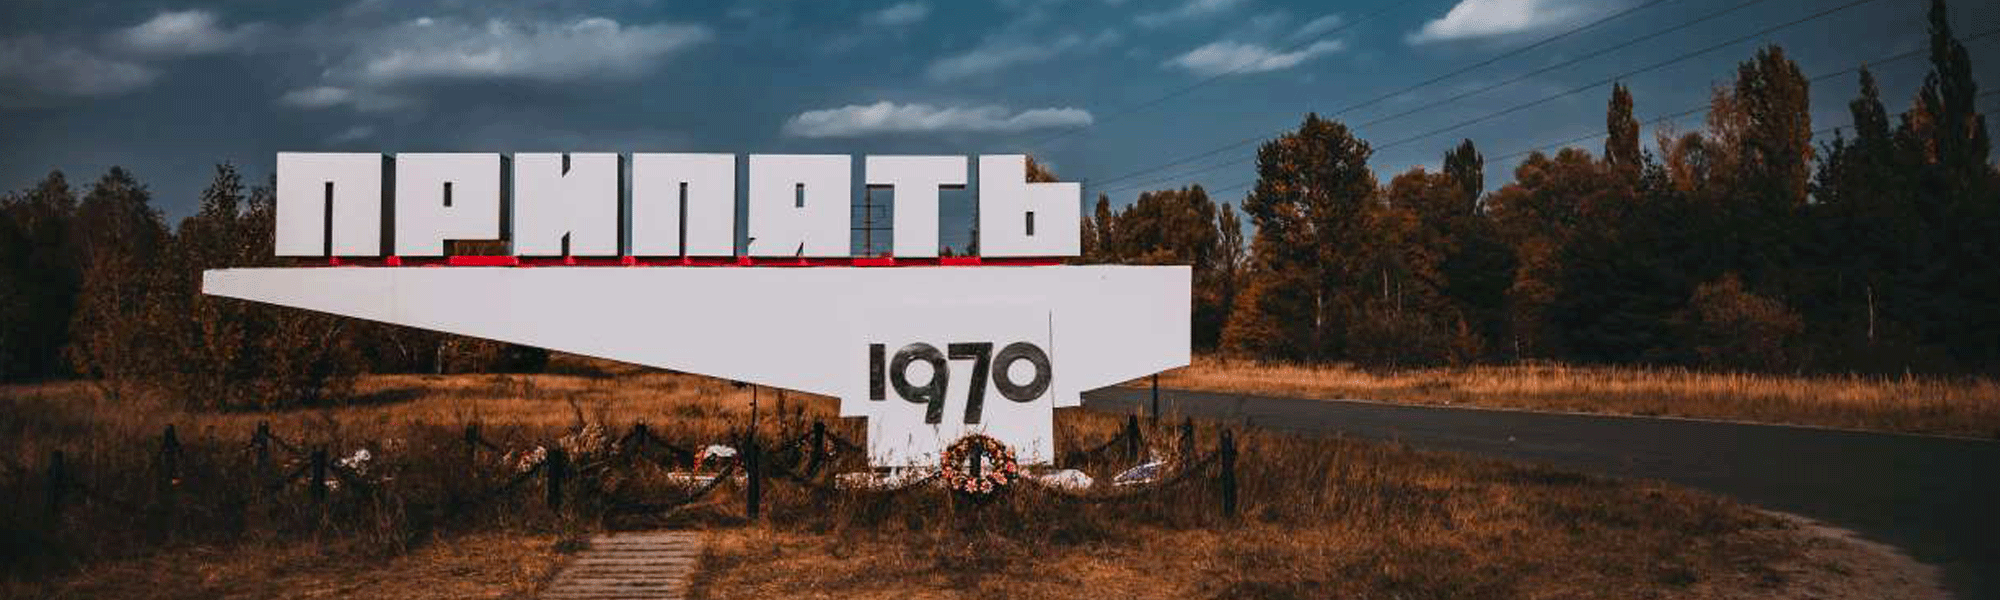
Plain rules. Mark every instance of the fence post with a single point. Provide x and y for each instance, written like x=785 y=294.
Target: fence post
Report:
x=558 y=470
x=1156 y=398
x=1131 y=437
x=471 y=445
x=58 y=479
x=1187 y=439
x=818 y=447
x=319 y=474
x=753 y=462
x=1228 y=458
x=170 y=456
x=261 y=442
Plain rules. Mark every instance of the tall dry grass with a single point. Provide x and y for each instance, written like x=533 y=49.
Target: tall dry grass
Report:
x=1964 y=406
x=1319 y=517
x=132 y=504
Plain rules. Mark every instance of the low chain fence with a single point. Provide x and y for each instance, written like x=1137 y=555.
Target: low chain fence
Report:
x=588 y=466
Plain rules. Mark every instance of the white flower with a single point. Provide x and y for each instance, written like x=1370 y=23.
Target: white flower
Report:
x=531 y=459
x=358 y=462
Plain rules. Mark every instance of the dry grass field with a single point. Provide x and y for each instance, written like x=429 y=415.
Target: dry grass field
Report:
x=1964 y=406
x=1319 y=517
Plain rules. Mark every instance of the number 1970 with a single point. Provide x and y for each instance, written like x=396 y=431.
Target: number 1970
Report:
x=984 y=361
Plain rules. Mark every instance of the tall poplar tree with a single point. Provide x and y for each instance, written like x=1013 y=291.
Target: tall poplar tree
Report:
x=1313 y=188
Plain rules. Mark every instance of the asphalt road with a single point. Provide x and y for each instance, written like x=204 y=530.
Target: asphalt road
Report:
x=1936 y=498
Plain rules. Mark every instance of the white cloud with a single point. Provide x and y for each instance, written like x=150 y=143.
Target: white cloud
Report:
x=1002 y=52
x=1218 y=58
x=1486 y=18
x=352 y=134
x=886 y=117
x=395 y=66
x=904 y=13
x=1187 y=11
x=328 y=96
x=34 y=72
x=185 y=33
x=996 y=55
x=318 y=97
x=1318 y=27
x=443 y=49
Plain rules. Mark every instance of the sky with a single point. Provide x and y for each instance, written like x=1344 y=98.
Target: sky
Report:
x=1096 y=89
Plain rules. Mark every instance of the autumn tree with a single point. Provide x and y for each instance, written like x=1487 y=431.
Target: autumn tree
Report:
x=1403 y=312
x=1537 y=215
x=121 y=240
x=1769 y=129
x=40 y=271
x=1621 y=140
x=1945 y=145
x=1309 y=202
x=223 y=353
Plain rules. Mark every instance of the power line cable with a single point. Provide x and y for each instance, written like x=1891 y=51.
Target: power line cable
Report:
x=1413 y=87
x=1582 y=88
x=1704 y=107
x=1579 y=89
x=1815 y=133
x=1587 y=56
x=1240 y=66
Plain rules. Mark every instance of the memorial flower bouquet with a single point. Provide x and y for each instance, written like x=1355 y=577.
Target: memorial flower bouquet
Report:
x=978 y=465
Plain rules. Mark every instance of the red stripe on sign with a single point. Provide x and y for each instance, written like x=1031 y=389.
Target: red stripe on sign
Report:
x=679 y=261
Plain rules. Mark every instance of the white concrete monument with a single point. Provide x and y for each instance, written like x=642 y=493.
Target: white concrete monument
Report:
x=928 y=349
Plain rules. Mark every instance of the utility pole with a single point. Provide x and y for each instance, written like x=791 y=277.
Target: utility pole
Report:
x=753 y=464
x=1156 y=398
x=868 y=226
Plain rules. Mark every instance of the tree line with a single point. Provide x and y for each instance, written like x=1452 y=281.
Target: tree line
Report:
x=1742 y=246
x=97 y=286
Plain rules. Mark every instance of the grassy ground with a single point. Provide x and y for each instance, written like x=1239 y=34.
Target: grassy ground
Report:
x=1968 y=406
x=1320 y=517
x=483 y=565
x=1398 y=525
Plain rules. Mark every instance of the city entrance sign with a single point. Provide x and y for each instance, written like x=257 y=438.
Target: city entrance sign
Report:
x=679 y=205
x=928 y=354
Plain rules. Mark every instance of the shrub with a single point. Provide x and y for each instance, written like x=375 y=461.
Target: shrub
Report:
x=1731 y=327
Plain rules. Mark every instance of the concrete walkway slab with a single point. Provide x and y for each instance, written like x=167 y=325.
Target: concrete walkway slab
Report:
x=629 y=566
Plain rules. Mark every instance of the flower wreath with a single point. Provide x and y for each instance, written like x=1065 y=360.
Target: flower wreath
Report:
x=998 y=466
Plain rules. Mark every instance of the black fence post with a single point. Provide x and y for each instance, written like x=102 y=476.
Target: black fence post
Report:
x=1228 y=458
x=1187 y=439
x=818 y=447
x=261 y=442
x=170 y=457
x=471 y=445
x=1156 y=398
x=170 y=476
x=319 y=474
x=58 y=480
x=753 y=463
x=783 y=426
x=1131 y=437
x=557 y=470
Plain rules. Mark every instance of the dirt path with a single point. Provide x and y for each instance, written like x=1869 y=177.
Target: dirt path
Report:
x=621 y=566
x=1837 y=564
